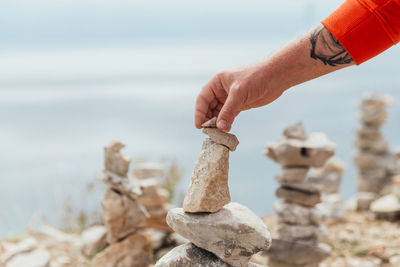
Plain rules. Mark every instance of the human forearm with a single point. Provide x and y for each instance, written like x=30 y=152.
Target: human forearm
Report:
x=310 y=56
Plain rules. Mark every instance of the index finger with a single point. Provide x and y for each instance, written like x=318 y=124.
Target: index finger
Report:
x=203 y=101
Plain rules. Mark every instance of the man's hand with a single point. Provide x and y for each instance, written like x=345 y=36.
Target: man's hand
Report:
x=230 y=92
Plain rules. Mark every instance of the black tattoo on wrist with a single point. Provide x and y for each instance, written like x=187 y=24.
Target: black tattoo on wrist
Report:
x=326 y=48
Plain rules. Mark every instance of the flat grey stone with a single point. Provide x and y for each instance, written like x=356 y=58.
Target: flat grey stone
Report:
x=305 y=186
x=313 y=152
x=234 y=233
x=299 y=197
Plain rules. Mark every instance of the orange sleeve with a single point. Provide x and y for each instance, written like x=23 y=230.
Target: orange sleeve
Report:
x=365 y=28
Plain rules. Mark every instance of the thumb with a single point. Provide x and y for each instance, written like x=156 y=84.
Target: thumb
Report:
x=229 y=111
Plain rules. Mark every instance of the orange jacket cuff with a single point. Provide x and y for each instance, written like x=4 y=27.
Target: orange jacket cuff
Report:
x=365 y=28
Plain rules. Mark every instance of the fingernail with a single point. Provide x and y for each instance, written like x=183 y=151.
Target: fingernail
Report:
x=221 y=124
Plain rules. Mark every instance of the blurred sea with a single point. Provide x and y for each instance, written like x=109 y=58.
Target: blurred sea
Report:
x=62 y=100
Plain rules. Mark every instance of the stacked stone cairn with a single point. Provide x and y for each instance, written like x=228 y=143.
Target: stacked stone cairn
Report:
x=122 y=213
x=376 y=164
x=329 y=178
x=220 y=233
x=301 y=239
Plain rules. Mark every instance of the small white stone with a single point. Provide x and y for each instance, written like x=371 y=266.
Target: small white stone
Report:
x=37 y=258
x=386 y=204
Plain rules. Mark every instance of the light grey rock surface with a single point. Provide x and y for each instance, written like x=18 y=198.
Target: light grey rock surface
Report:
x=208 y=190
x=188 y=255
x=234 y=233
x=36 y=258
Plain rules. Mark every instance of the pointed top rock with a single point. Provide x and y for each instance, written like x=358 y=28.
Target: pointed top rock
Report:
x=115 y=146
x=212 y=123
x=295 y=131
x=114 y=160
x=208 y=190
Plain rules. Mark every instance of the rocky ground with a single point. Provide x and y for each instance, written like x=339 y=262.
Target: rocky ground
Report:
x=359 y=241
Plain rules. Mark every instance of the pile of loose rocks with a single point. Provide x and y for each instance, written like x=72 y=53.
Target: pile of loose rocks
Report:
x=301 y=239
x=220 y=233
x=376 y=164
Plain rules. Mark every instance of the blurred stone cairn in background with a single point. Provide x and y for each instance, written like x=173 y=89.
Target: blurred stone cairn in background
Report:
x=301 y=238
x=134 y=211
x=377 y=165
x=220 y=233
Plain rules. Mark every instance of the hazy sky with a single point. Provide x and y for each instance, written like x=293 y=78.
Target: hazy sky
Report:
x=25 y=23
